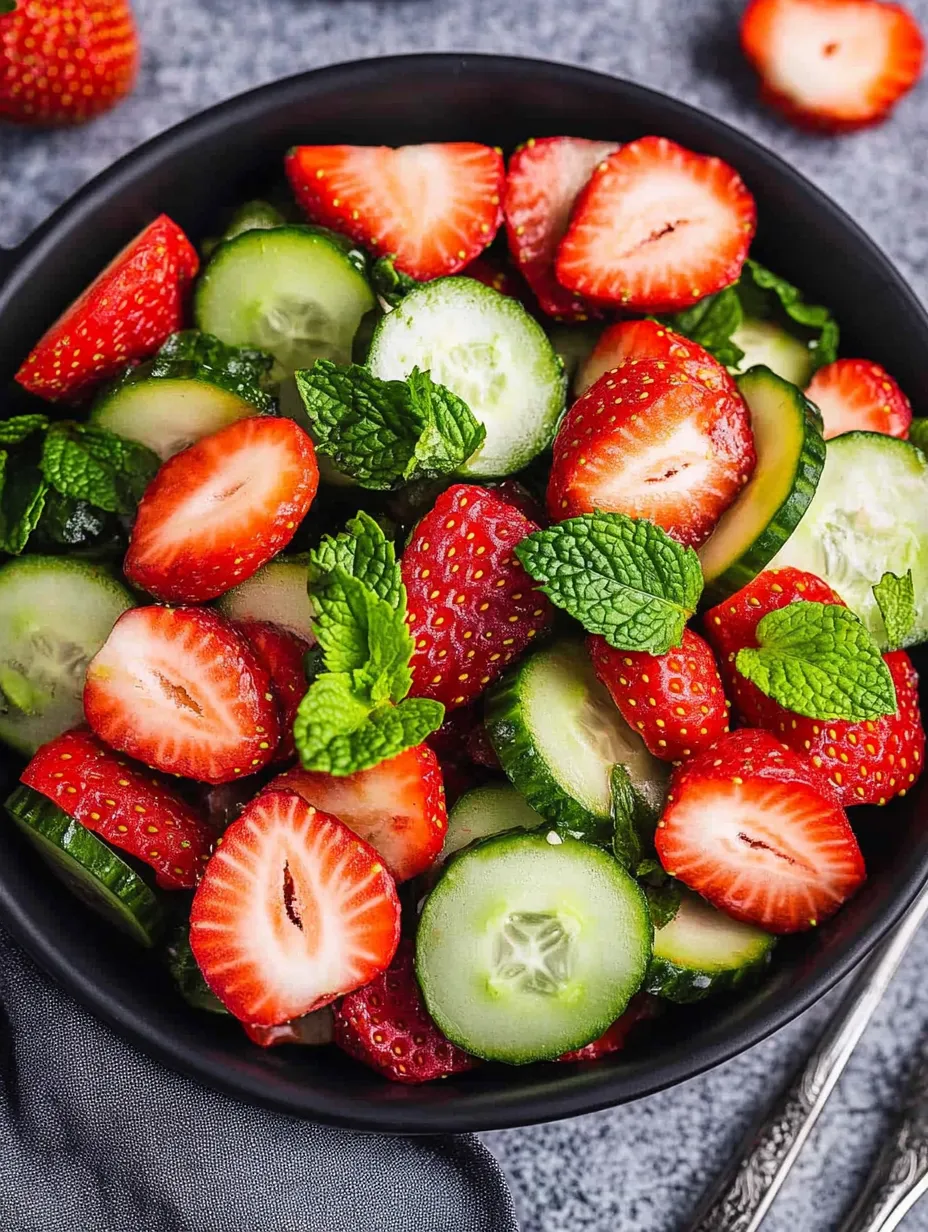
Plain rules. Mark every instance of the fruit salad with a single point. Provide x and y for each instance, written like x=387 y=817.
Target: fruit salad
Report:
x=463 y=607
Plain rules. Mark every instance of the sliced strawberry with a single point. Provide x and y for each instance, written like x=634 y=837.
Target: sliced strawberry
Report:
x=654 y=440
x=124 y=315
x=293 y=911
x=544 y=179
x=657 y=228
x=386 y=1026
x=220 y=509
x=833 y=64
x=855 y=395
x=500 y=276
x=648 y=340
x=280 y=653
x=123 y=803
x=311 y=1029
x=641 y=1007
x=472 y=607
x=675 y=700
x=398 y=806
x=179 y=689
x=434 y=207
x=754 y=828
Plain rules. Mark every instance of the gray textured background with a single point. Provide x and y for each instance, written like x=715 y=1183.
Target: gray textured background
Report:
x=640 y=1168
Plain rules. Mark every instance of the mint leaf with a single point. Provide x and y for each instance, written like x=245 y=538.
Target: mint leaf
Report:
x=364 y=552
x=15 y=430
x=895 y=597
x=342 y=613
x=386 y=675
x=663 y=901
x=389 y=283
x=22 y=499
x=711 y=322
x=764 y=294
x=381 y=433
x=918 y=434
x=72 y=523
x=97 y=466
x=621 y=577
x=192 y=355
x=819 y=660
x=633 y=822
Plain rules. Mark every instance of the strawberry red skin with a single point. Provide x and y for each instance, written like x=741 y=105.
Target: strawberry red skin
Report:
x=375 y=194
x=641 y=1007
x=648 y=340
x=65 y=62
x=615 y=449
x=857 y=395
x=689 y=712
x=386 y=1026
x=179 y=552
x=397 y=806
x=280 y=653
x=123 y=316
x=502 y=277
x=124 y=803
x=749 y=805
x=543 y=181
x=472 y=607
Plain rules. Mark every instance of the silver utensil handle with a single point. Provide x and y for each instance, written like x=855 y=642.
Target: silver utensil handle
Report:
x=744 y=1194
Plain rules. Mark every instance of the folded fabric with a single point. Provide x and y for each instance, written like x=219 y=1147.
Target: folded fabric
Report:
x=95 y=1137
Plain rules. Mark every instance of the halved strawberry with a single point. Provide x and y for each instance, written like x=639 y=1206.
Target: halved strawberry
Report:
x=179 y=689
x=293 y=911
x=280 y=653
x=641 y=1007
x=675 y=700
x=657 y=228
x=220 y=509
x=833 y=64
x=543 y=181
x=754 y=828
x=126 y=804
x=646 y=340
x=472 y=607
x=856 y=395
x=654 y=439
x=398 y=806
x=434 y=207
x=125 y=314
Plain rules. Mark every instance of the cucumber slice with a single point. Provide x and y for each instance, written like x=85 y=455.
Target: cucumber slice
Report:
x=486 y=811
x=187 y=975
x=295 y=292
x=55 y=614
x=531 y=945
x=869 y=517
x=790 y=456
x=769 y=344
x=702 y=951
x=558 y=734
x=276 y=593
x=88 y=866
x=487 y=349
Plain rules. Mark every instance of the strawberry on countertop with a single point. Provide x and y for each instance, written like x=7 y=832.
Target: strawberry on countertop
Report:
x=834 y=65
x=125 y=314
x=472 y=607
x=293 y=911
x=856 y=395
x=754 y=828
x=281 y=654
x=657 y=229
x=543 y=181
x=434 y=207
x=65 y=61
x=653 y=439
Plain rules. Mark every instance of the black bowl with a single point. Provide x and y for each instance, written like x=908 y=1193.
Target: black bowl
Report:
x=225 y=155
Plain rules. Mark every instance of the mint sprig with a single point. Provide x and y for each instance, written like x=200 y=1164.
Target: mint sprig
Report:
x=364 y=551
x=819 y=660
x=381 y=433
x=895 y=597
x=94 y=465
x=621 y=577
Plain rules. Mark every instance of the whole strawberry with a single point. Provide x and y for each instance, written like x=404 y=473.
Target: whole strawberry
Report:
x=65 y=61
x=386 y=1026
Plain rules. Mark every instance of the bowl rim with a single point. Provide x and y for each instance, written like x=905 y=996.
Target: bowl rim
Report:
x=486 y=1112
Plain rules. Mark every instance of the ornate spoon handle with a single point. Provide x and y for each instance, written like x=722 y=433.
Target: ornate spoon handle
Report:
x=744 y=1194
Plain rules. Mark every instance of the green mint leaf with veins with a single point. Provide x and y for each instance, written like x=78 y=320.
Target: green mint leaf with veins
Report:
x=918 y=434
x=389 y=283
x=764 y=294
x=819 y=660
x=621 y=577
x=663 y=901
x=191 y=355
x=15 y=430
x=97 y=466
x=632 y=820
x=364 y=552
x=22 y=498
x=451 y=433
x=711 y=323
x=895 y=597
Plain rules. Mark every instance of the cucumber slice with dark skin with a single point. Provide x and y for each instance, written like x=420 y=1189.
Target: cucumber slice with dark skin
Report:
x=276 y=593
x=531 y=945
x=296 y=292
x=790 y=458
x=55 y=614
x=88 y=866
x=701 y=951
x=485 y=811
x=869 y=516
x=558 y=734
x=771 y=345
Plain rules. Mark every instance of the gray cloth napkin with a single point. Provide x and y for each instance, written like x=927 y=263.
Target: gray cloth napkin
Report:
x=94 y=1137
